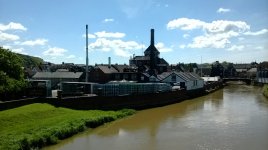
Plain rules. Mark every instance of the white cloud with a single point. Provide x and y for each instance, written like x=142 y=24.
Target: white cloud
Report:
x=108 y=20
x=161 y=47
x=216 y=34
x=218 y=26
x=19 y=50
x=186 y=36
x=119 y=47
x=185 y=24
x=263 y=31
x=12 y=26
x=182 y=46
x=236 y=47
x=209 y=41
x=90 y=36
x=223 y=10
x=70 y=56
x=104 y=34
x=223 y=26
x=7 y=47
x=8 y=37
x=54 y=51
x=34 y=42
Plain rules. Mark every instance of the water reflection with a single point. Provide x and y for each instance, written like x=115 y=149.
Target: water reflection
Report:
x=233 y=118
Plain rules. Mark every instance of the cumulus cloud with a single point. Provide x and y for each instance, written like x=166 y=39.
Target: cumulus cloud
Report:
x=161 y=47
x=19 y=50
x=263 y=31
x=104 y=34
x=8 y=37
x=119 y=47
x=108 y=20
x=12 y=26
x=54 y=51
x=236 y=48
x=185 y=24
x=223 y=10
x=216 y=34
x=34 y=42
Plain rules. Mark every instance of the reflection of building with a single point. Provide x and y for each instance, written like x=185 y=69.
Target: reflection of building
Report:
x=150 y=62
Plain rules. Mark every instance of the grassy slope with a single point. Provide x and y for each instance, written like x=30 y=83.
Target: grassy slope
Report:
x=37 y=125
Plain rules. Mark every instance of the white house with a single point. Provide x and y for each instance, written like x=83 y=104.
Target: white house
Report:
x=189 y=81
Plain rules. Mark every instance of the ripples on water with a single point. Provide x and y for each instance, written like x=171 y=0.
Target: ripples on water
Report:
x=235 y=117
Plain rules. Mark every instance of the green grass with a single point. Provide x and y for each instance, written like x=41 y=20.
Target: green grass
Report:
x=37 y=125
x=265 y=90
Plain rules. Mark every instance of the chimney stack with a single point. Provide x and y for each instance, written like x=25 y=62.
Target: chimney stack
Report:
x=152 y=36
x=109 y=62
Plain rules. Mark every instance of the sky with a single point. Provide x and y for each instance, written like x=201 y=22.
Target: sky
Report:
x=186 y=31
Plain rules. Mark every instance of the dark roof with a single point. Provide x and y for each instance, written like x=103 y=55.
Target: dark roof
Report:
x=106 y=69
x=49 y=75
x=141 y=58
x=147 y=52
x=242 y=66
x=120 y=68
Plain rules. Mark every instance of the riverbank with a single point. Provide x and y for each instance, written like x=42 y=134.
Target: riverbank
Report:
x=265 y=90
x=38 y=125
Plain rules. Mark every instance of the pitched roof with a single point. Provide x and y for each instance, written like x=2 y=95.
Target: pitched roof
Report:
x=147 y=52
x=49 y=75
x=187 y=76
x=106 y=69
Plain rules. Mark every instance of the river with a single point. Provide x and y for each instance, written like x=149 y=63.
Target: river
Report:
x=233 y=118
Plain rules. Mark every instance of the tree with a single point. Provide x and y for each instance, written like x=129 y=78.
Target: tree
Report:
x=11 y=74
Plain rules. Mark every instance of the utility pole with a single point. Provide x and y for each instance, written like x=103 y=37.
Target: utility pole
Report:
x=201 y=67
x=86 y=53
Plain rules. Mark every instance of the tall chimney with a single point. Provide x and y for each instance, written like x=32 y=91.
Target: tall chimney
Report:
x=152 y=36
x=109 y=62
x=86 y=53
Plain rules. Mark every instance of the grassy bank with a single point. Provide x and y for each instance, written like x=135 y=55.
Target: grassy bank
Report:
x=265 y=90
x=37 y=125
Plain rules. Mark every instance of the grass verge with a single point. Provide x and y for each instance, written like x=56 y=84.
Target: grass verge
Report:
x=37 y=125
x=265 y=90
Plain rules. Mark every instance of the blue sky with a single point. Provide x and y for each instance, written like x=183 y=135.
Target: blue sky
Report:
x=185 y=30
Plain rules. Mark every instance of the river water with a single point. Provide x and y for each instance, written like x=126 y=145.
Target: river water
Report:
x=233 y=118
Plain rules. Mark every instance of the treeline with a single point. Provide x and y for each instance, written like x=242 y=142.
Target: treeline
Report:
x=12 y=82
x=30 y=61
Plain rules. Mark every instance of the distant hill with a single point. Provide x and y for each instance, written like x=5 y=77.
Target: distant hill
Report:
x=30 y=61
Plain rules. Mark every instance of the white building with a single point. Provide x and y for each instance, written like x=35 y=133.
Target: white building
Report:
x=189 y=81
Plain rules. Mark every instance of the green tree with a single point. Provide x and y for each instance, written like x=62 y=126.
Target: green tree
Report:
x=11 y=75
